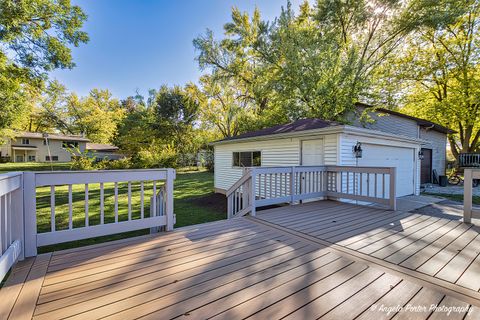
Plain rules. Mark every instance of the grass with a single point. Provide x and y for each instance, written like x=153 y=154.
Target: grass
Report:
x=190 y=188
x=454 y=197
x=33 y=166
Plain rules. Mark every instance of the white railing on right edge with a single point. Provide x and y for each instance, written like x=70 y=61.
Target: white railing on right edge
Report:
x=11 y=221
x=263 y=186
x=469 y=211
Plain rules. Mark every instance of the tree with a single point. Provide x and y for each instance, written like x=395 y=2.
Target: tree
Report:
x=139 y=118
x=176 y=112
x=316 y=63
x=440 y=71
x=97 y=115
x=221 y=105
x=35 y=36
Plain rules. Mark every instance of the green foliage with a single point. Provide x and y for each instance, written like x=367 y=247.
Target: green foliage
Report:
x=82 y=162
x=96 y=115
x=105 y=164
x=436 y=76
x=314 y=63
x=157 y=155
x=35 y=36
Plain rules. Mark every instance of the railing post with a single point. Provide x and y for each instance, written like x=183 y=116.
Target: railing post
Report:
x=292 y=185
x=392 y=189
x=29 y=214
x=169 y=199
x=17 y=216
x=253 y=189
x=467 y=195
x=229 y=207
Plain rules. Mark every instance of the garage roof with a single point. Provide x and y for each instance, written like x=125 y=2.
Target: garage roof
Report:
x=295 y=126
x=421 y=122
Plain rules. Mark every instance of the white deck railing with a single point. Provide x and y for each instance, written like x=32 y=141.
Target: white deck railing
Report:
x=21 y=232
x=263 y=186
x=11 y=221
x=469 y=211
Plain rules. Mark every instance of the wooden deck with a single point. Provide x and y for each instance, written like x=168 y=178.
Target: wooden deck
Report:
x=318 y=260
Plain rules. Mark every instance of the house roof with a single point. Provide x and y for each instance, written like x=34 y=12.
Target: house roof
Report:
x=295 y=126
x=101 y=147
x=51 y=136
x=421 y=122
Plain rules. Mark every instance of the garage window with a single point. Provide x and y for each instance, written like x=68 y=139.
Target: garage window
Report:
x=247 y=159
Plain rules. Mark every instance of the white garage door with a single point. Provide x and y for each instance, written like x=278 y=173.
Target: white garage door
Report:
x=386 y=156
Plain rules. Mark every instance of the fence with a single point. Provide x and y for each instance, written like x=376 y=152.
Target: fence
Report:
x=60 y=192
x=274 y=185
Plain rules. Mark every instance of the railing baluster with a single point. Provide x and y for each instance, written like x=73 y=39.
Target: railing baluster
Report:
x=102 y=204
x=368 y=184
x=86 y=206
x=270 y=175
x=375 y=194
x=70 y=207
x=8 y=210
x=361 y=183
x=3 y=227
x=348 y=182
x=154 y=199
x=52 y=208
x=142 y=199
x=116 y=201
x=130 y=200
x=383 y=185
x=265 y=185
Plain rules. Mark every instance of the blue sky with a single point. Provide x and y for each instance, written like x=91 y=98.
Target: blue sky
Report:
x=142 y=44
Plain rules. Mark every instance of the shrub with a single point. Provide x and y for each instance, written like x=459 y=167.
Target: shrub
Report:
x=82 y=162
x=157 y=156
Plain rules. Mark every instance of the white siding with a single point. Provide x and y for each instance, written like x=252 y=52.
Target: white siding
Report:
x=347 y=158
x=41 y=153
x=389 y=123
x=438 y=144
x=275 y=152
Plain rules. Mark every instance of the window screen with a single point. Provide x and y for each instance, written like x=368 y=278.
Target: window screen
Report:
x=247 y=159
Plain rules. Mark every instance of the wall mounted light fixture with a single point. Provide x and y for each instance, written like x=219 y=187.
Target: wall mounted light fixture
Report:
x=421 y=156
x=357 y=150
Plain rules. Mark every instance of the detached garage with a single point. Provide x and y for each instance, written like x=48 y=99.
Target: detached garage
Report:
x=310 y=142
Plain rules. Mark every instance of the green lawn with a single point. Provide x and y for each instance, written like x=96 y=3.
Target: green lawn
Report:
x=454 y=197
x=194 y=202
x=33 y=166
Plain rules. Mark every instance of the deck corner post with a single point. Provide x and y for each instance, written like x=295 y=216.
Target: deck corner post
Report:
x=253 y=189
x=467 y=195
x=392 y=189
x=18 y=218
x=171 y=174
x=29 y=214
x=292 y=186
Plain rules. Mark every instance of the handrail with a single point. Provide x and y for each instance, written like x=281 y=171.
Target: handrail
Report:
x=95 y=187
x=469 y=211
x=239 y=183
x=469 y=160
x=263 y=186
x=11 y=221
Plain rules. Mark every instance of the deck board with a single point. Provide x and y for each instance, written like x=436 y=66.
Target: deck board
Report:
x=438 y=246
x=245 y=268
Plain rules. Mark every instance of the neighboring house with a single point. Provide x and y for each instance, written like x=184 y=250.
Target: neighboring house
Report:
x=103 y=151
x=393 y=140
x=35 y=147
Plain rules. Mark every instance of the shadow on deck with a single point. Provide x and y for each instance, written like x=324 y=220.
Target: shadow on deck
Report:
x=318 y=260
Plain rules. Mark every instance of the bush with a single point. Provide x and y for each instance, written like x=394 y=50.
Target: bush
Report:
x=157 y=156
x=82 y=162
x=106 y=164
